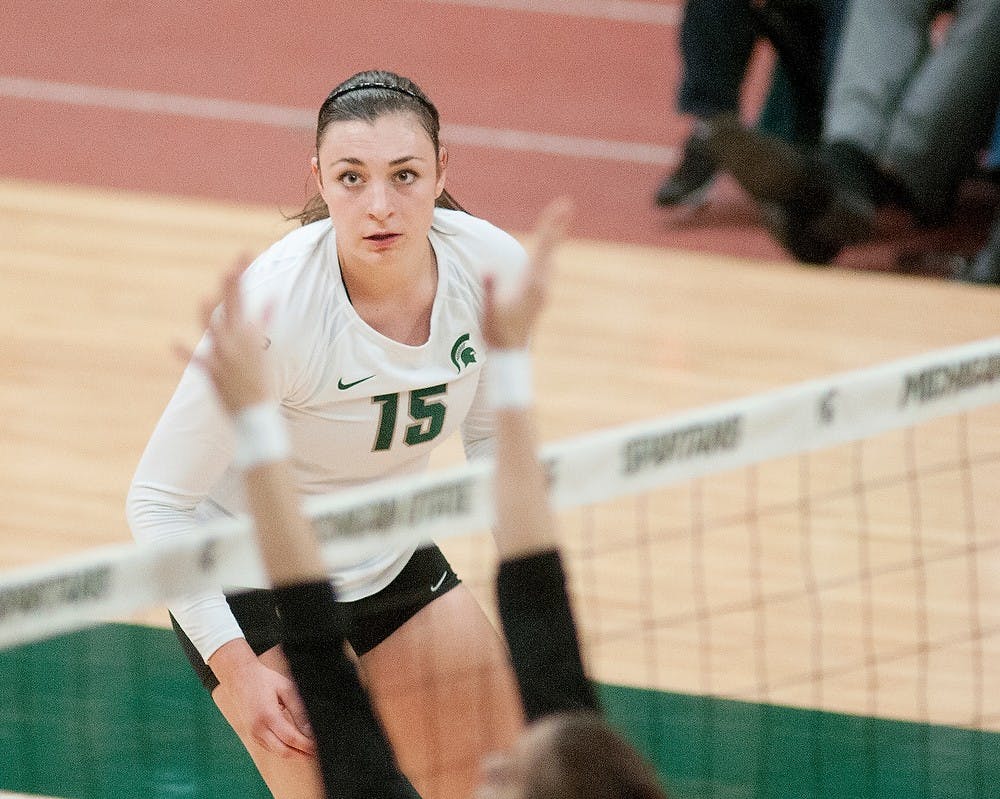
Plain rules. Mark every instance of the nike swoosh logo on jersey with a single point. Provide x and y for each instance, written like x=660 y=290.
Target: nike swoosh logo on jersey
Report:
x=344 y=386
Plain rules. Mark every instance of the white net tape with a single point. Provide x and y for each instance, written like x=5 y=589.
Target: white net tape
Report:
x=117 y=581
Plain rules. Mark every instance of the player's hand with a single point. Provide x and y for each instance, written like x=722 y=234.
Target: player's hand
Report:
x=509 y=321
x=233 y=356
x=272 y=711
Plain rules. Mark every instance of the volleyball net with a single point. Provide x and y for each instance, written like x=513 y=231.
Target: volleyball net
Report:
x=792 y=594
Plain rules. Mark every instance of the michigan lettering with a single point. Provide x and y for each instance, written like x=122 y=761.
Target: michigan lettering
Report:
x=940 y=381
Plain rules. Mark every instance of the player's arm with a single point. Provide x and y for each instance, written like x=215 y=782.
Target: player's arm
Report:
x=524 y=523
x=187 y=453
x=531 y=592
x=231 y=357
x=355 y=756
x=504 y=259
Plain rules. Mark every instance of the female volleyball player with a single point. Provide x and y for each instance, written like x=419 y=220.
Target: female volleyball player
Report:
x=375 y=354
x=567 y=750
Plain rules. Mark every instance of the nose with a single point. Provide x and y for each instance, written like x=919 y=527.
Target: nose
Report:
x=379 y=204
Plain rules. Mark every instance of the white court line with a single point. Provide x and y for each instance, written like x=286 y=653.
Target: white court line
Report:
x=5 y=795
x=615 y=10
x=555 y=144
x=141 y=101
x=156 y=103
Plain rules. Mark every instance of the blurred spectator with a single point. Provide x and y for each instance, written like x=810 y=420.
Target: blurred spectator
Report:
x=992 y=163
x=905 y=123
x=984 y=266
x=717 y=39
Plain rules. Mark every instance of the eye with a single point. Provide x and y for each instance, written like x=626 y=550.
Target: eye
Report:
x=349 y=178
x=406 y=176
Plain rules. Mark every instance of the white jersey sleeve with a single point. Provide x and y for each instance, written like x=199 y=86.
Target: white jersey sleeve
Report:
x=478 y=430
x=483 y=250
x=188 y=453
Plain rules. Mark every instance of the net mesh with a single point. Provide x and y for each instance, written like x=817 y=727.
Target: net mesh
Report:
x=790 y=595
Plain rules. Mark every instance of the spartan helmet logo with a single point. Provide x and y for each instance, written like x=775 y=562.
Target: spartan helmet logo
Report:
x=462 y=353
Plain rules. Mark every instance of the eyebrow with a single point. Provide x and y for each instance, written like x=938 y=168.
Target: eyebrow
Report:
x=394 y=162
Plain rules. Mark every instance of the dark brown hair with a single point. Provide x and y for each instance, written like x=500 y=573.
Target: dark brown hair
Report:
x=368 y=96
x=589 y=760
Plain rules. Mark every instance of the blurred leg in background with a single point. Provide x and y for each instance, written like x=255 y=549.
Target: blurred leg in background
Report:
x=717 y=41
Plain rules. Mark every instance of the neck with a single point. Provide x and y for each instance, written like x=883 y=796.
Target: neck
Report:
x=395 y=296
x=388 y=277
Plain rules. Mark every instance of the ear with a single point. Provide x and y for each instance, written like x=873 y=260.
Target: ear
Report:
x=317 y=175
x=442 y=168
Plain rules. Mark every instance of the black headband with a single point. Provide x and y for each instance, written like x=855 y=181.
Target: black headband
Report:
x=377 y=85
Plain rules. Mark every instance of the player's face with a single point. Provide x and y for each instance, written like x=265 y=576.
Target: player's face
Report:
x=380 y=181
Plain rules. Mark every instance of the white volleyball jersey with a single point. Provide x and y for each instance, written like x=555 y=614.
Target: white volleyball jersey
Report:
x=358 y=406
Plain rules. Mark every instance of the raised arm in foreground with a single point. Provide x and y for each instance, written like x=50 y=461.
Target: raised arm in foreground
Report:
x=354 y=755
x=531 y=592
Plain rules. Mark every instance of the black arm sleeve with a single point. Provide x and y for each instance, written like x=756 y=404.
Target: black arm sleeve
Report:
x=544 y=649
x=355 y=757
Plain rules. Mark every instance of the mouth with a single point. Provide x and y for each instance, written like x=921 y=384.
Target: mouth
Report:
x=382 y=238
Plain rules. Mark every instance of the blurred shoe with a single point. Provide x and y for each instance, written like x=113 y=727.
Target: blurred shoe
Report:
x=690 y=182
x=937 y=263
x=975 y=270
x=983 y=267
x=808 y=209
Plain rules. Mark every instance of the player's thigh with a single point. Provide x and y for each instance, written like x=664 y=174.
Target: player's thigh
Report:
x=444 y=687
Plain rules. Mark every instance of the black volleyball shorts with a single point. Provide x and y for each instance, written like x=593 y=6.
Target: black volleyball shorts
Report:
x=426 y=576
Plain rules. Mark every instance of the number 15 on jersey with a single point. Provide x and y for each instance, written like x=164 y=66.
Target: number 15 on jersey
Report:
x=426 y=412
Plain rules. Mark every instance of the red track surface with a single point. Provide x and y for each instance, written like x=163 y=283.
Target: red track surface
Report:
x=538 y=72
